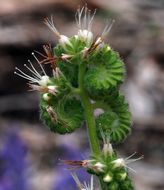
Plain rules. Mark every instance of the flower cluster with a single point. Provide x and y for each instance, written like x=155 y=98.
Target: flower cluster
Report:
x=112 y=170
x=86 y=75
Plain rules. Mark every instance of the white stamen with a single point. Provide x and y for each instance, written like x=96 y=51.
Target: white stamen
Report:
x=39 y=63
x=25 y=76
x=120 y=162
x=84 y=22
x=51 y=25
x=35 y=77
x=35 y=74
x=107 y=28
x=84 y=19
x=34 y=69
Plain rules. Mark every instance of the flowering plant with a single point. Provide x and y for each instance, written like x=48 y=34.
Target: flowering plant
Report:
x=86 y=75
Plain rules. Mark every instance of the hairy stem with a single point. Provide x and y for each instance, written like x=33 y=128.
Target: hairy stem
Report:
x=89 y=116
x=88 y=109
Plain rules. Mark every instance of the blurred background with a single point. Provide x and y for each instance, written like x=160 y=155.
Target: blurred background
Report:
x=29 y=153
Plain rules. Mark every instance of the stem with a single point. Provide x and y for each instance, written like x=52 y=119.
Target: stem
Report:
x=88 y=109
x=89 y=116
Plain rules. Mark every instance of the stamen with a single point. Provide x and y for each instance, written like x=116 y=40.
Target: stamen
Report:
x=107 y=28
x=131 y=156
x=25 y=76
x=35 y=74
x=131 y=169
x=134 y=160
x=38 y=63
x=51 y=25
x=78 y=183
x=91 y=182
x=91 y=19
x=84 y=19
x=34 y=69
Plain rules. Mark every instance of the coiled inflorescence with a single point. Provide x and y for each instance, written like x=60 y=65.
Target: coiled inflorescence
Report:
x=62 y=94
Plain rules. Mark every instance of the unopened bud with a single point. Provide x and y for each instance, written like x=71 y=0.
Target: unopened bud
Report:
x=64 y=41
x=99 y=167
x=107 y=178
x=107 y=149
x=121 y=176
x=52 y=89
x=46 y=97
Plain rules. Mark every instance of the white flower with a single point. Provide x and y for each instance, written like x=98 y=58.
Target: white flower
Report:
x=86 y=36
x=37 y=81
x=36 y=77
x=120 y=162
x=84 y=21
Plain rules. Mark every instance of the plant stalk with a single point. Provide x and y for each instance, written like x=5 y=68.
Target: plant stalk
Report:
x=89 y=116
x=88 y=109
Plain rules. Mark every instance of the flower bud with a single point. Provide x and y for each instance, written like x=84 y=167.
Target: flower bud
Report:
x=107 y=178
x=99 y=167
x=64 y=41
x=121 y=176
x=46 y=96
x=52 y=89
x=107 y=149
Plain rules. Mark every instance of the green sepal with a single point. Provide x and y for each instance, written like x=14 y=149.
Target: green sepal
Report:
x=70 y=71
x=76 y=47
x=113 y=186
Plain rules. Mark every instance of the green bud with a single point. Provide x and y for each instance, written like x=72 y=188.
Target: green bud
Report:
x=121 y=176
